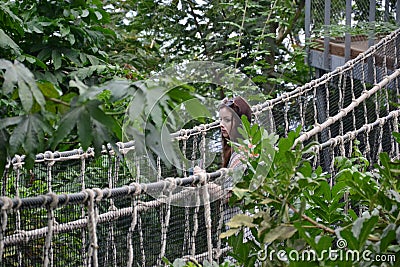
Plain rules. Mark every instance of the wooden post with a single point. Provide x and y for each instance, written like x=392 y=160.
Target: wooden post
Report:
x=327 y=33
x=307 y=22
x=347 y=38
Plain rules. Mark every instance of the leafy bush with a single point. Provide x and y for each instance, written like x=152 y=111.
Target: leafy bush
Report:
x=298 y=218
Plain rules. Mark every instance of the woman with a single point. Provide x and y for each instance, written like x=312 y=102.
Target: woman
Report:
x=230 y=113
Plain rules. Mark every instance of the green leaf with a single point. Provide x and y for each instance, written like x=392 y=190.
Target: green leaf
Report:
x=239 y=192
x=29 y=135
x=85 y=130
x=106 y=120
x=240 y=220
x=7 y=43
x=4 y=150
x=281 y=232
x=229 y=233
x=325 y=190
x=119 y=89
x=25 y=95
x=10 y=76
x=10 y=121
x=17 y=73
x=363 y=227
x=324 y=243
x=304 y=234
x=66 y=124
x=352 y=242
x=396 y=135
x=57 y=61
x=196 y=109
x=64 y=30
x=388 y=235
x=48 y=89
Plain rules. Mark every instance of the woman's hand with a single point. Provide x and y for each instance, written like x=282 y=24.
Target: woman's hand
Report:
x=198 y=170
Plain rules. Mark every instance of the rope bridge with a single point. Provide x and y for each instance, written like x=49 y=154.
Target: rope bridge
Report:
x=95 y=212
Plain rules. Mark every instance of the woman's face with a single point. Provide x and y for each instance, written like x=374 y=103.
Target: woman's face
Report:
x=227 y=121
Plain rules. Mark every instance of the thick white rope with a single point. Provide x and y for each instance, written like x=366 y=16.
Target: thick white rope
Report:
x=195 y=224
x=334 y=141
x=92 y=225
x=131 y=231
x=207 y=215
x=165 y=221
x=112 y=181
x=327 y=114
x=342 y=113
x=4 y=218
x=83 y=213
x=353 y=96
x=141 y=241
x=47 y=254
x=396 y=145
x=17 y=168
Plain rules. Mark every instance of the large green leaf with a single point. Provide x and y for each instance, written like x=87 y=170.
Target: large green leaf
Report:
x=16 y=74
x=364 y=226
x=66 y=125
x=28 y=136
x=7 y=43
x=4 y=149
x=93 y=125
x=281 y=232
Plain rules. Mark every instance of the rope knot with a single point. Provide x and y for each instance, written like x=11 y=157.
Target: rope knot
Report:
x=54 y=200
x=7 y=203
x=203 y=177
x=99 y=194
x=172 y=183
x=89 y=195
x=138 y=188
x=18 y=162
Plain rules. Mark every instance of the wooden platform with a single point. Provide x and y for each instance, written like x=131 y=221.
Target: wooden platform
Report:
x=336 y=55
x=359 y=44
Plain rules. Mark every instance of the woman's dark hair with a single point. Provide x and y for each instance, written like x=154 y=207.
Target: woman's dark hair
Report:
x=240 y=107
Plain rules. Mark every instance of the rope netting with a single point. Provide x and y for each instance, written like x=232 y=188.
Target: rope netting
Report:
x=74 y=209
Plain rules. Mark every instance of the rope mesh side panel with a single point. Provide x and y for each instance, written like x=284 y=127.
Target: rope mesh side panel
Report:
x=101 y=230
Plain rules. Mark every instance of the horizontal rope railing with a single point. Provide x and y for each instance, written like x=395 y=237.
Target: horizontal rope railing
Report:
x=27 y=235
x=342 y=113
x=100 y=194
x=353 y=134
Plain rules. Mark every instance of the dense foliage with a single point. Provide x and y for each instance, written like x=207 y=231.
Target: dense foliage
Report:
x=296 y=210
x=56 y=55
x=68 y=70
x=297 y=218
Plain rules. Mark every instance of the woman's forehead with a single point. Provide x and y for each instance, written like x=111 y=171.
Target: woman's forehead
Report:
x=227 y=112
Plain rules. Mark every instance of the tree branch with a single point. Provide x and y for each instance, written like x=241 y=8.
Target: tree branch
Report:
x=289 y=29
x=324 y=227
x=58 y=101
x=191 y=10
